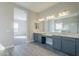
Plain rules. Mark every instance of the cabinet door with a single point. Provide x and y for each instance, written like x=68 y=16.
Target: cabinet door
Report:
x=77 y=47
x=57 y=43
x=39 y=38
x=49 y=41
x=68 y=45
x=35 y=37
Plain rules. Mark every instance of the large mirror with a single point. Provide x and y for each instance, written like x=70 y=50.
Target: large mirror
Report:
x=67 y=25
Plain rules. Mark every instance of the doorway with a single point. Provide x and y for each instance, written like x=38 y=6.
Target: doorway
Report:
x=20 y=26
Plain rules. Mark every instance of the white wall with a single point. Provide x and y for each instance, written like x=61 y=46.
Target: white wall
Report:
x=32 y=18
x=6 y=24
x=78 y=18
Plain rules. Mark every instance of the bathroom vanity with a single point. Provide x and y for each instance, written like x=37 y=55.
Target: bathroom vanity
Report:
x=66 y=43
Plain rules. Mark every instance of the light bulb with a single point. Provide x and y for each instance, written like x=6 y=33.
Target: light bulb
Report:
x=42 y=19
x=50 y=17
x=64 y=13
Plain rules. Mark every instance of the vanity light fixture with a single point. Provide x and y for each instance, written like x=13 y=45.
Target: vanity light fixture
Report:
x=63 y=13
x=60 y=14
x=66 y=13
x=42 y=19
x=50 y=17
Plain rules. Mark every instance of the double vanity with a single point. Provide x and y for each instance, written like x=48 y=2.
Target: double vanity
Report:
x=67 y=43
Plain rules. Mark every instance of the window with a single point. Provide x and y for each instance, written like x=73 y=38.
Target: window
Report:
x=15 y=27
x=19 y=14
x=59 y=27
x=20 y=22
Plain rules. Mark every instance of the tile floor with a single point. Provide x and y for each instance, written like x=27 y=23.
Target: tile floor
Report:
x=31 y=49
x=19 y=40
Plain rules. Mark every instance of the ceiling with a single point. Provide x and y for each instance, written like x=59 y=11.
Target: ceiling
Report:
x=36 y=6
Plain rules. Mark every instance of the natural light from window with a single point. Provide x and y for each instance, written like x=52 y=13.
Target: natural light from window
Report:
x=59 y=27
x=15 y=27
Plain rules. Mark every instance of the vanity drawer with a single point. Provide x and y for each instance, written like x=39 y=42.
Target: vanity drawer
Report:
x=49 y=41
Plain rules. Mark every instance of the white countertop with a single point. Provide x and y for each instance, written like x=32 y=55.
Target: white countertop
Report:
x=73 y=35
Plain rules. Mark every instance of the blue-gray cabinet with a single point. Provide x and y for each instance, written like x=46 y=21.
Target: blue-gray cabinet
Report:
x=57 y=42
x=77 y=47
x=68 y=45
x=49 y=41
x=35 y=37
x=39 y=38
